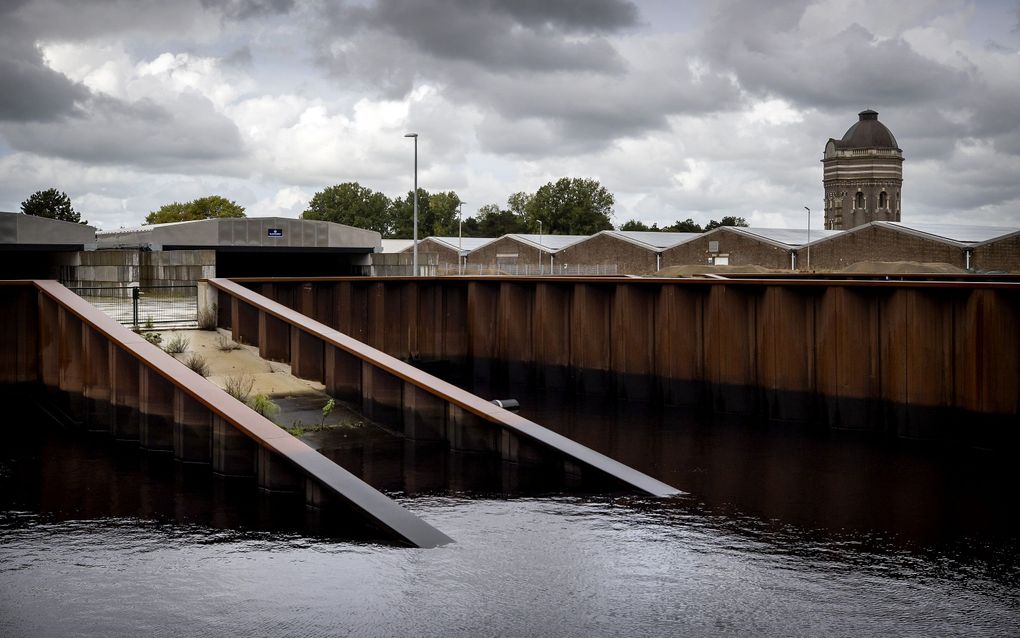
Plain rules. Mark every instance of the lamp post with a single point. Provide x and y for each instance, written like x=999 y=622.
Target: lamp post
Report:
x=808 y=237
x=541 y=262
x=460 y=238
x=414 y=258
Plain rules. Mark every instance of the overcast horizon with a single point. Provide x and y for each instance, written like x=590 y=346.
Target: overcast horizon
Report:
x=702 y=110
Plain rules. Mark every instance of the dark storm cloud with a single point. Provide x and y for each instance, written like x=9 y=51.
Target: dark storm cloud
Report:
x=172 y=134
x=29 y=90
x=553 y=69
x=772 y=56
x=497 y=36
x=46 y=113
x=246 y=9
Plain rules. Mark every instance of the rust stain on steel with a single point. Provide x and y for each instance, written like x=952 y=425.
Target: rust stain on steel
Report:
x=980 y=282
x=450 y=393
x=330 y=475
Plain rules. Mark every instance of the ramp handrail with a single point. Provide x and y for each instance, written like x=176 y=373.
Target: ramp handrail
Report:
x=264 y=432
x=449 y=392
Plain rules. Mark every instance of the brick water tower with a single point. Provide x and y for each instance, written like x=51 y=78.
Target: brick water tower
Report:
x=863 y=175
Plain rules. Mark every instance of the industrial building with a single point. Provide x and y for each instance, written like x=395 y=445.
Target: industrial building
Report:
x=521 y=254
x=976 y=248
x=34 y=247
x=739 y=246
x=631 y=252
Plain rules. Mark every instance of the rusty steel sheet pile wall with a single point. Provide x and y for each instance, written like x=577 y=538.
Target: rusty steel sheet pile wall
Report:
x=923 y=359
x=95 y=372
x=398 y=395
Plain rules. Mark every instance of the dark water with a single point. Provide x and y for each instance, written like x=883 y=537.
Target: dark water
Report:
x=787 y=532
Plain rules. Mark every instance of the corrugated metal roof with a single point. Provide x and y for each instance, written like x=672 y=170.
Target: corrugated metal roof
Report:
x=792 y=237
x=961 y=233
x=653 y=239
x=550 y=243
x=466 y=243
x=396 y=245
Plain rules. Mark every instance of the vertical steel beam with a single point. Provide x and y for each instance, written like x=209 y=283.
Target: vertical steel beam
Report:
x=192 y=429
x=124 y=394
x=156 y=410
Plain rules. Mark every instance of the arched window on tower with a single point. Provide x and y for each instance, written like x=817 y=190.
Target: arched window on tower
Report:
x=897 y=202
x=859 y=200
x=883 y=201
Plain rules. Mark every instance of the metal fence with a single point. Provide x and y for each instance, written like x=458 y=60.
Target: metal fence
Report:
x=146 y=306
x=529 y=270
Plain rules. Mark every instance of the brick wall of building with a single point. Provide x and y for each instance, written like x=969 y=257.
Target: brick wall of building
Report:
x=488 y=255
x=444 y=256
x=600 y=250
x=740 y=249
x=1003 y=254
x=875 y=243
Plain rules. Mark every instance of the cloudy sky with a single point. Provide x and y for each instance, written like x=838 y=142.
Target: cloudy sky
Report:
x=681 y=109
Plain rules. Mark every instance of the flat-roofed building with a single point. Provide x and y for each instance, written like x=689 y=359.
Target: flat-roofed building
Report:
x=34 y=247
x=258 y=246
x=971 y=247
x=631 y=252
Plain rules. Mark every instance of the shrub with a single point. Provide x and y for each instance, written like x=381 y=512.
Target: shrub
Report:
x=208 y=317
x=197 y=364
x=226 y=345
x=264 y=406
x=153 y=337
x=177 y=344
x=239 y=386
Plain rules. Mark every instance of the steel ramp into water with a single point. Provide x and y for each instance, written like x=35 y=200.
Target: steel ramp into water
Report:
x=329 y=476
x=448 y=392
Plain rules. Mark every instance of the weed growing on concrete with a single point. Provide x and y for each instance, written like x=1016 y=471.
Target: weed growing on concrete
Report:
x=177 y=344
x=148 y=326
x=153 y=337
x=197 y=364
x=226 y=345
x=295 y=431
x=326 y=410
x=239 y=386
x=208 y=318
x=264 y=406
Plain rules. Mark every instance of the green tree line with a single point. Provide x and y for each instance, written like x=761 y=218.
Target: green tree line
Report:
x=569 y=206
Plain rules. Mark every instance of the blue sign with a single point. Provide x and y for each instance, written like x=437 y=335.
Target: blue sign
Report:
x=275 y=232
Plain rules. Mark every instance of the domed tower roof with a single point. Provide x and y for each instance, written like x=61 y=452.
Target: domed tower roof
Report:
x=868 y=132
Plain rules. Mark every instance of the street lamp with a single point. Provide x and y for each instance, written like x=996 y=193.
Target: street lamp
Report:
x=414 y=258
x=541 y=262
x=808 y=237
x=460 y=237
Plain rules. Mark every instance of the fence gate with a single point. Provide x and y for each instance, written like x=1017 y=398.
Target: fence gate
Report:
x=158 y=307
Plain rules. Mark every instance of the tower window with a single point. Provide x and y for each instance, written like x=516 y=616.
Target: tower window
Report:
x=883 y=200
x=859 y=200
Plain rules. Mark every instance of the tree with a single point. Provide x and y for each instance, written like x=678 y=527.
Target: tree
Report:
x=352 y=204
x=402 y=216
x=726 y=221
x=686 y=226
x=53 y=204
x=496 y=222
x=209 y=207
x=437 y=215
x=444 y=208
x=634 y=224
x=571 y=206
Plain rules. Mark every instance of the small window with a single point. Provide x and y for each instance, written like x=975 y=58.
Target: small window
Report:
x=859 y=200
x=883 y=200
